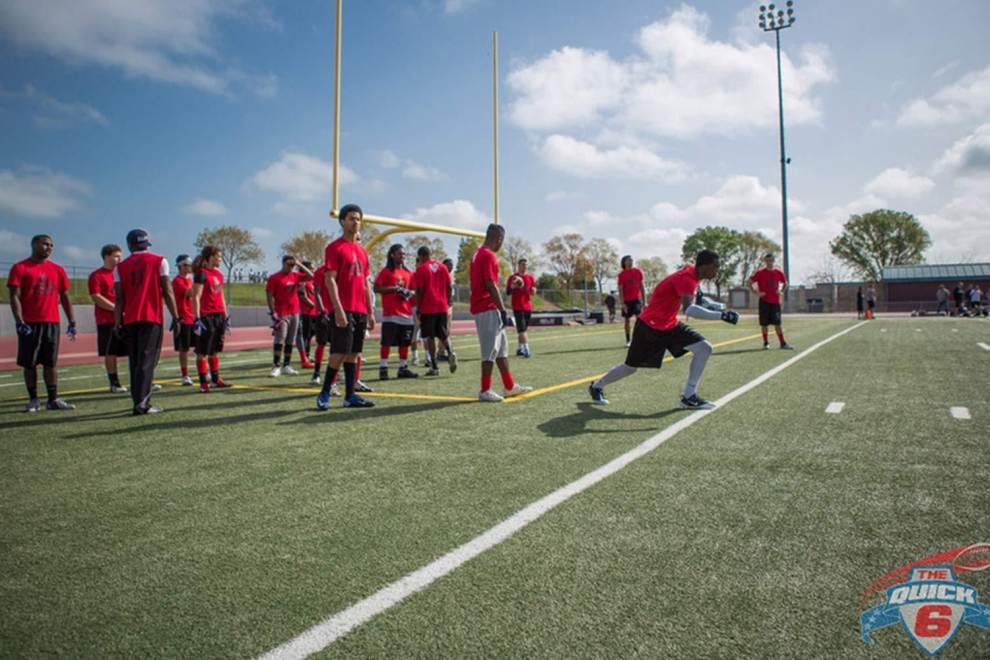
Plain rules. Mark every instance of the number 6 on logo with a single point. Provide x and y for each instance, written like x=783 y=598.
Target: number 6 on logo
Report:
x=933 y=621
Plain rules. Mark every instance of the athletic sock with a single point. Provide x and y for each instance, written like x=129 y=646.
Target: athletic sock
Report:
x=350 y=377
x=201 y=370
x=114 y=380
x=185 y=371
x=764 y=331
x=320 y=349
x=486 y=382
x=52 y=391
x=328 y=381
x=403 y=363
x=357 y=369
x=383 y=363
x=507 y=381
x=780 y=336
x=33 y=392
x=214 y=368
x=385 y=352
x=700 y=351
x=618 y=372
x=627 y=337
x=277 y=354
x=288 y=358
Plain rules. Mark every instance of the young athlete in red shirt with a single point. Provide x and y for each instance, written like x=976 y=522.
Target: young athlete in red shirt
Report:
x=394 y=285
x=522 y=286
x=434 y=285
x=109 y=345
x=210 y=312
x=769 y=283
x=282 y=293
x=630 y=282
x=182 y=333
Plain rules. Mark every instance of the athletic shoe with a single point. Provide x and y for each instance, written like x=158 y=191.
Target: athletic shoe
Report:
x=355 y=401
x=786 y=347
x=334 y=390
x=383 y=373
x=628 y=343
x=415 y=361
x=204 y=388
x=520 y=352
x=323 y=400
x=315 y=380
x=442 y=356
x=156 y=387
x=404 y=372
x=59 y=404
x=150 y=410
x=695 y=402
x=289 y=371
x=518 y=389
x=452 y=362
x=597 y=395
x=186 y=380
x=359 y=386
x=527 y=354
x=276 y=372
x=220 y=383
x=766 y=346
x=433 y=372
x=118 y=389
x=307 y=364
x=489 y=396
x=33 y=406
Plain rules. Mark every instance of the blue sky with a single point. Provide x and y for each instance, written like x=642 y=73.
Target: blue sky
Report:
x=632 y=121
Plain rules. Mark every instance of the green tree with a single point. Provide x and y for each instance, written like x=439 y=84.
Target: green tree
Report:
x=236 y=243
x=516 y=248
x=723 y=240
x=872 y=241
x=437 y=249
x=568 y=259
x=462 y=269
x=376 y=255
x=654 y=270
x=753 y=245
x=603 y=260
x=307 y=246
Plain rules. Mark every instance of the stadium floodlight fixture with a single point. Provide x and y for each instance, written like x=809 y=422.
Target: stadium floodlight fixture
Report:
x=774 y=19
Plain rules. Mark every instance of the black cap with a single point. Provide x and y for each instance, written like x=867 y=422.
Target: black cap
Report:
x=139 y=238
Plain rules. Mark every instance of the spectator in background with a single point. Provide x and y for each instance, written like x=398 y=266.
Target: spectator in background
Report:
x=975 y=299
x=942 y=298
x=871 y=302
x=958 y=296
x=610 y=306
x=859 y=303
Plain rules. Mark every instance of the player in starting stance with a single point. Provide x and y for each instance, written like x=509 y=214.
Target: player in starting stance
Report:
x=658 y=330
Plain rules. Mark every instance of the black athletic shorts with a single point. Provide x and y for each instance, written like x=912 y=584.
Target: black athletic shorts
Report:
x=108 y=342
x=396 y=334
x=211 y=341
x=323 y=325
x=522 y=319
x=39 y=347
x=350 y=338
x=632 y=308
x=769 y=313
x=307 y=325
x=648 y=345
x=183 y=338
x=433 y=326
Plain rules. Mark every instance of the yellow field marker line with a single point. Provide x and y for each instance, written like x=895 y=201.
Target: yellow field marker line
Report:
x=581 y=381
x=386 y=395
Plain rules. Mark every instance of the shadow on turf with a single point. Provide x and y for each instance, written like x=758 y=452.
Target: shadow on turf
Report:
x=568 y=426
x=737 y=351
x=170 y=424
x=336 y=411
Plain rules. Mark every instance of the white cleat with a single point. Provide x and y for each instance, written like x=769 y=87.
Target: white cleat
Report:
x=490 y=396
x=156 y=387
x=289 y=371
x=334 y=390
x=276 y=372
x=315 y=380
x=187 y=380
x=34 y=405
x=118 y=389
x=628 y=344
x=517 y=389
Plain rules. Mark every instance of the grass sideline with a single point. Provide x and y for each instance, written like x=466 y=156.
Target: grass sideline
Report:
x=236 y=520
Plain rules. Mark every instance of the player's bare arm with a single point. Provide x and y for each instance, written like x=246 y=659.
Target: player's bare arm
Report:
x=15 y=303
x=339 y=316
x=118 y=307
x=496 y=294
x=63 y=296
x=197 y=296
x=371 y=303
x=169 y=296
x=101 y=301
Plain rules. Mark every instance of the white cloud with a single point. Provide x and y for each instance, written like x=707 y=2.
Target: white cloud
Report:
x=14 y=245
x=457 y=6
x=261 y=232
x=37 y=192
x=389 y=159
x=960 y=230
x=458 y=213
x=418 y=172
x=968 y=157
x=583 y=159
x=77 y=254
x=899 y=184
x=154 y=39
x=302 y=180
x=558 y=195
x=967 y=99
x=942 y=70
x=741 y=202
x=52 y=112
x=207 y=207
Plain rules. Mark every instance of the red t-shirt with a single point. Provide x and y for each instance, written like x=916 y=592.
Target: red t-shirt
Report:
x=484 y=267
x=284 y=288
x=320 y=280
x=631 y=283
x=140 y=278
x=101 y=283
x=434 y=280
x=308 y=309
x=211 y=299
x=392 y=303
x=40 y=283
x=350 y=261
x=767 y=281
x=183 y=303
x=522 y=298
x=665 y=301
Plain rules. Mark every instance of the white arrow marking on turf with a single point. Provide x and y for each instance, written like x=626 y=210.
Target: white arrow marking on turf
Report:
x=336 y=626
x=960 y=412
x=835 y=407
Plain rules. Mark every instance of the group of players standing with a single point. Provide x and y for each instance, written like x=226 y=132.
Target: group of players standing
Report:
x=335 y=305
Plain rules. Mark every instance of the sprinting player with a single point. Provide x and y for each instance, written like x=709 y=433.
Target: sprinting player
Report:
x=769 y=283
x=393 y=285
x=521 y=287
x=433 y=285
x=210 y=312
x=347 y=284
x=631 y=285
x=109 y=345
x=141 y=283
x=282 y=294
x=324 y=326
x=491 y=318
x=658 y=331
x=307 y=317
x=37 y=285
x=182 y=333
x=610 y=306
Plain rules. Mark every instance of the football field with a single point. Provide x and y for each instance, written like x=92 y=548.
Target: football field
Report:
x=237 y=521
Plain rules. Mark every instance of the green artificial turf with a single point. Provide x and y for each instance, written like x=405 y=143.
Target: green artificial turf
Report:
x=236 y=520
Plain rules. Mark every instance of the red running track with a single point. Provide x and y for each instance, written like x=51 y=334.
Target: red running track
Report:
x=83 y=350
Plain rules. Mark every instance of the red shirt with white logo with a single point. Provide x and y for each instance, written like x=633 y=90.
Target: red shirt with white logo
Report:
x=631 y=283
x=140 y=278
x=665 y=302
x=350 y=261
x=40 y=283
x=211 y=300
x=101 y=283
x=434 y=280
x=522 y=298
x=484 y=267
x=183 y=302
x=284 y=288
x=308 y=308
x=320 y=279
x=767 y=280
x=392 y=303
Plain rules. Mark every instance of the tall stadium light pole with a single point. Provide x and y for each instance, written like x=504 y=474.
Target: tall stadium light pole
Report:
x=335 y=194
x=773 y=19
x=495 y=117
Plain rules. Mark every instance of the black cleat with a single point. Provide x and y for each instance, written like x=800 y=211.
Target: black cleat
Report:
x=383 y=373
x=695 y=402
x=597 y=395
x=404 y=372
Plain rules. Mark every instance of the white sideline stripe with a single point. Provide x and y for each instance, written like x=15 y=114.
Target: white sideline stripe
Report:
x=835 y=407
x=955 y=329
x=883 y=329
x=985 y=347
x=960 y=412
x=332 y=628
x=917 y=329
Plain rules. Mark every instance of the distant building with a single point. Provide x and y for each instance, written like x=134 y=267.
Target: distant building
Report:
x=909 y=288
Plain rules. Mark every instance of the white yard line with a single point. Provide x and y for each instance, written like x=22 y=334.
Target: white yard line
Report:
x=883 y=329
x=835 y=407
x=960 y=412
x=333 y=627
x=985 y=347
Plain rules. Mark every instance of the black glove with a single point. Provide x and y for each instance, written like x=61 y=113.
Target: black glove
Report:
x=226 y=325
x=71 y=331
x=174 y=326
x=730 y=316
x=199 y=327
x=506 y=319
x=24 y=329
